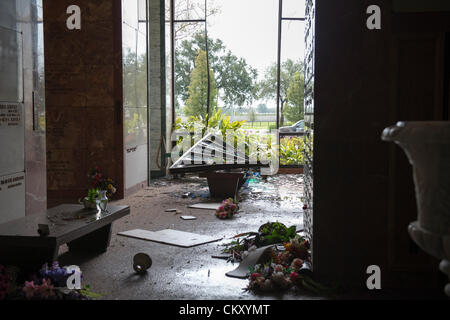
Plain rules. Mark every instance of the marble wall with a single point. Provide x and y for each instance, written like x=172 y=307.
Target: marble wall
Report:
x=34 y=93
x=24 y=18
x=84 y=96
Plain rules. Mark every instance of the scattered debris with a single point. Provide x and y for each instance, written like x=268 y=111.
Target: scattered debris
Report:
x=204 y=194
x=141 y=262
x=188 y=218
x=288 y=269
x=171 y=237
x=259 y=255
x=268 y=234
x=224 y=257
x=206 y=205
x=175 y=211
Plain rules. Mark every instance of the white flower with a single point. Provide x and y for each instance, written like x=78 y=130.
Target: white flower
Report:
x=279 y=279
x=278 y=268
x=266 y=285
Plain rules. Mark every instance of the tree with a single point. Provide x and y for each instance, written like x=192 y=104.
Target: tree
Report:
x=235 y=79
x=268 y=86
x=294 y=109
x=135 y=91
x=252 y=115
x=198 y=89
x=262 y=108
x=134 y=79
x=189 y=10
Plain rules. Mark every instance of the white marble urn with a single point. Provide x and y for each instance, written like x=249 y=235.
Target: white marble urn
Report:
x=427 y=146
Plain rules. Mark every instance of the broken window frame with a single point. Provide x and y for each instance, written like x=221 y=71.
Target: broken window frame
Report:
x=281 y=18
x=172 y=23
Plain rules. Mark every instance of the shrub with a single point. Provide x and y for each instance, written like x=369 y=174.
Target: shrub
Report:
x=291 y=151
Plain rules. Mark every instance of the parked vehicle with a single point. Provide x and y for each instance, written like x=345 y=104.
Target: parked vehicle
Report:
x=299 y=126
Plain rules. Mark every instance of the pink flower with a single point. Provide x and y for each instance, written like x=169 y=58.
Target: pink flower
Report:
x=260 y=281
x=223 y=215
x=254 y=276
x=46 y=289
x=294 y=276
x=306 y=244
x=29 y=289
x=266 y=285
x=280 y=280
x=278 y=268
x=297 y=264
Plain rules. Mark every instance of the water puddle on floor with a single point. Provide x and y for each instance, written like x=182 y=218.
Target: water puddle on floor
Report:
x=214 y=276
x=276 y=195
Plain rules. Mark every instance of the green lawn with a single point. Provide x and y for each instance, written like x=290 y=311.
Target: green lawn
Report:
x=263 y=125
x=258 y=125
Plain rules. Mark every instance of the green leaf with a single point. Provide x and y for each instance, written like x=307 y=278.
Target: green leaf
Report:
x=86 y=291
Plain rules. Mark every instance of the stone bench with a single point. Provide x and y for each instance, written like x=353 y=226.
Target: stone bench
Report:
x=85 y=230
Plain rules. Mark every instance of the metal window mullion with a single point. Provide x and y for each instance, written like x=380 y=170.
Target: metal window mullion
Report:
x=190 y=20
x=293 y=19
x=280 y=14
x=172 y=58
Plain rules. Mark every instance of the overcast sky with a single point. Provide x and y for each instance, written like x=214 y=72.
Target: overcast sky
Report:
x=249 y=28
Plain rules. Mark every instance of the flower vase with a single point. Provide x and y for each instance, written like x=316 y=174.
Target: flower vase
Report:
x=88 y=204
x=102 y=200
x=427 y=146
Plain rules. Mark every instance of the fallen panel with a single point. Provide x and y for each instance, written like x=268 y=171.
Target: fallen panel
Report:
x=260 y=255
x=206 y=205
x=171 y=237
x=188 y=218
x=212 y=154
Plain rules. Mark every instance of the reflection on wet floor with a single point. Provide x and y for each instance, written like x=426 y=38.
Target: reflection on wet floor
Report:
x=277 y=194
x=284 y=191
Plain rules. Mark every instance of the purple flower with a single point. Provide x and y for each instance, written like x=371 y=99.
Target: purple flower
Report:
x=56 y=274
